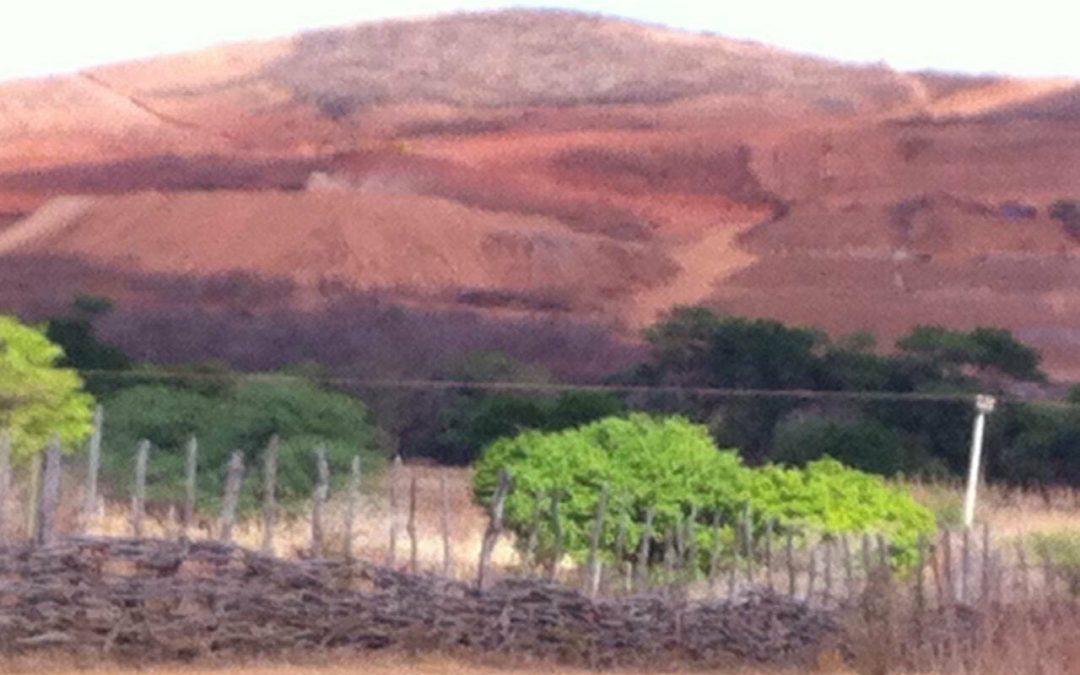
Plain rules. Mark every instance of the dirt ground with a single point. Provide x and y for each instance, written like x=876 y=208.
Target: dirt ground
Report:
x=369 y=665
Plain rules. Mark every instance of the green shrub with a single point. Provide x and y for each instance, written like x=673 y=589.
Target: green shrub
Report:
x=38 y=398
x=241 y=417
x=830 y=498
x=667 y=464
x=672 y=466
x=864 y=444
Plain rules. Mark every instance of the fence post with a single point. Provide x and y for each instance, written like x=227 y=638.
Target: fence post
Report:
x=714 y=551
x=789 y=555
x=395 y=470
x=5 y=478
x=849 y=572
x=748 y=545
x=410 y=528
x=491 y=536
x=190 y=465
x=33 y=495
x=644 y=546
x=533 y=541
x=138 y=499
x=92 y=467
x=828 y=571
x=557 y=533
x=624 y=566
x=965 y=565
x=352 y=506
x=233 y=481
x=444 y=521
x=270 y=460
x=592 y=584
x=318 y=501
x=50 y=493
x=769 y=525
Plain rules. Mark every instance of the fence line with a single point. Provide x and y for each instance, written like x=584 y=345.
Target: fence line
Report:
x=965 y=568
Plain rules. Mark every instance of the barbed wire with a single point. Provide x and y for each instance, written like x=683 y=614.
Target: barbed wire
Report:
x=557 y=387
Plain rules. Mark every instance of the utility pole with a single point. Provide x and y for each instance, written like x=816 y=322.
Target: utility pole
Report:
x=984 y=405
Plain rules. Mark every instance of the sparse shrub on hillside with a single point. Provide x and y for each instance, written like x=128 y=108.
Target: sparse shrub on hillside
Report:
x=38 y=398
x=242 y=417
x=672 y=466
x=1068 y=212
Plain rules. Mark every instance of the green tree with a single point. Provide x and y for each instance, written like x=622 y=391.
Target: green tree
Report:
x=241 y=417
x=37 y=397
x=982 y=348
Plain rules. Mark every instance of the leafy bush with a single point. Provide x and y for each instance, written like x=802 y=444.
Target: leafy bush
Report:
x=672 y=466
x=242 y=417
x=667 y=464
x=37 y=397
x=831 y=498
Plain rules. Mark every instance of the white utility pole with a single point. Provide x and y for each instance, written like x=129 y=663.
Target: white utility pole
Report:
x=983 y=406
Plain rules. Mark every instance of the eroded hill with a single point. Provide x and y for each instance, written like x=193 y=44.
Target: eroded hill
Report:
x=549 y=165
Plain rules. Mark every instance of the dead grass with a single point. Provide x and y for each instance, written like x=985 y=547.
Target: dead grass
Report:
x=345 y=662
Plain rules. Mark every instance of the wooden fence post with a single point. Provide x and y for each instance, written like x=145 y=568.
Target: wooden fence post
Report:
x=444 y=521
x=748 y=545
x=5 y=479
x=789 y=555
x=714 y=551
x=395 y=470
x=32 y=496
x=190 y=466
x=769 y=525
x=557 y=534
x=93 y=464
x=965 y=565
x=50 y=494
x=138 y=499
x=827 y=572
x=318 y=501
x=270 y=461
x=624 y=566
x=234 y=479
x=849 y=571
x=352 y=506
x=410 y=529
x=594 y=566
x=491 y=536
x=644 y=546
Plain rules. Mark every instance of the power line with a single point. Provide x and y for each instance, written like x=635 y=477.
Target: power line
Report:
x=552 y=387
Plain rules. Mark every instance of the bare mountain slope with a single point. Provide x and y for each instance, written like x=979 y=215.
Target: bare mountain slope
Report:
x=550 y=165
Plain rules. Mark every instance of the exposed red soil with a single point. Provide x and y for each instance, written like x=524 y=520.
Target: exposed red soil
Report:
x=768 y=184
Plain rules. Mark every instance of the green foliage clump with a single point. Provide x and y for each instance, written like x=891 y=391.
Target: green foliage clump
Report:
x=241 y=416
x=864 y=444
x=830 y=498
x=37 y=397
x=672 y=466
x=981 y=348
x=667 y=464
